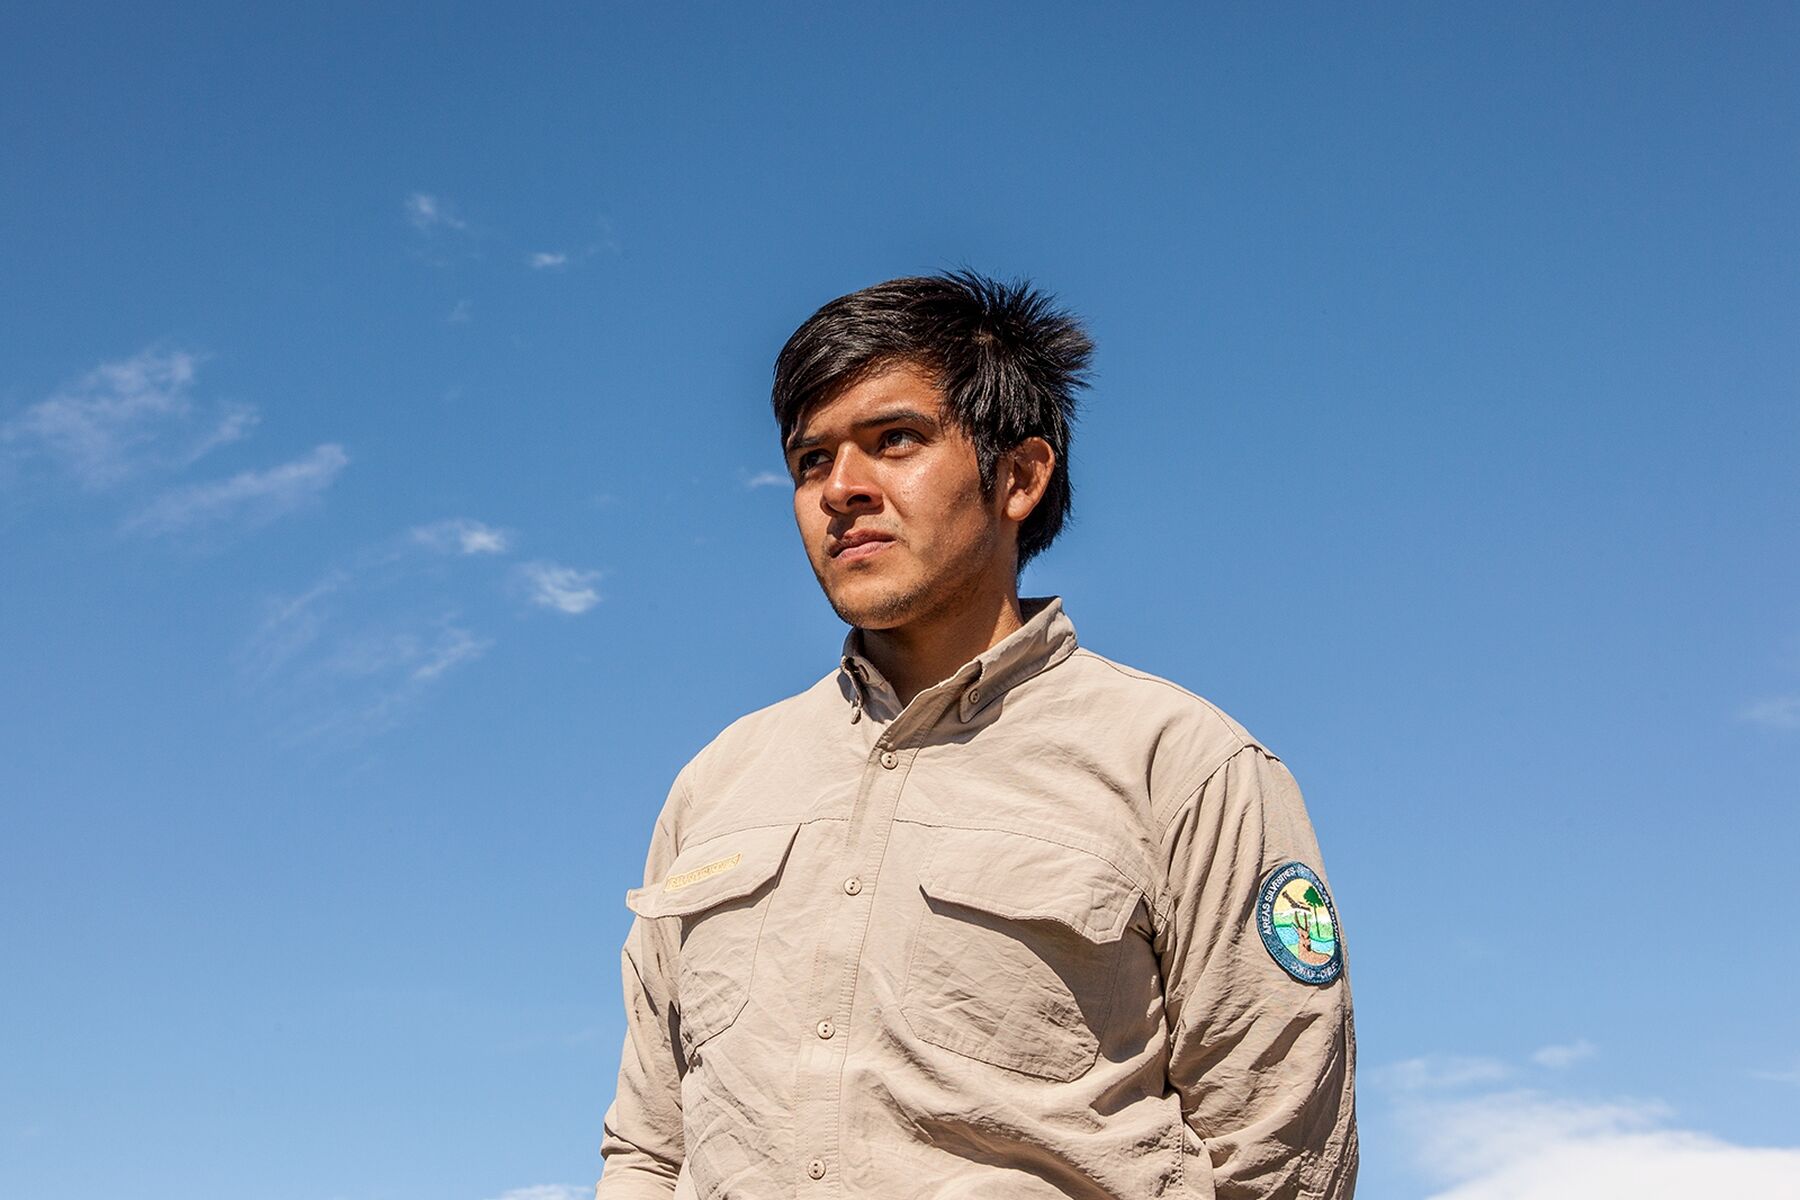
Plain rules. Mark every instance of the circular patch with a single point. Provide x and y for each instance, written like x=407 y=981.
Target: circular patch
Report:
x=1298 y=924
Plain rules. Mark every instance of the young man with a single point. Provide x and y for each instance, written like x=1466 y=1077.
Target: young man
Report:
x=981 y=913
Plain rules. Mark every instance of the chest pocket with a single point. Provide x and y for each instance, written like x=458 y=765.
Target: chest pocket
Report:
x=719 y=890
x=1016 y=959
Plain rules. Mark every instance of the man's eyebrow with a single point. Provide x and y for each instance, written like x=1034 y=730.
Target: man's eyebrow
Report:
x=892 y=416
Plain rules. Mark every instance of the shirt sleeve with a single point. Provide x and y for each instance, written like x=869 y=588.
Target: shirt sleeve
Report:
x=642 y=1148
x=1264 y=1060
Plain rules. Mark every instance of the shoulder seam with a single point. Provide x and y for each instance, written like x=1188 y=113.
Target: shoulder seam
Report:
x=1146 y=677
x=1188 y=795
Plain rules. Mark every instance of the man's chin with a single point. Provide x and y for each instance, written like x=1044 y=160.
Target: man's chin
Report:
x=870 y=606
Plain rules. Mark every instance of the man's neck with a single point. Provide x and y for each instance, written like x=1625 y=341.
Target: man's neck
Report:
x=922 y=653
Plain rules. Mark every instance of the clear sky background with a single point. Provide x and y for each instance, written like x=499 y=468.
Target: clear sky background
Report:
x=390 y=505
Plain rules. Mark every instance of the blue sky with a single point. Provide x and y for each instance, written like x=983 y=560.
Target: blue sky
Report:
x=386 y=514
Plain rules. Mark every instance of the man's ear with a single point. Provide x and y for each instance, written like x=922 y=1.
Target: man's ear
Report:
x=1027 y=468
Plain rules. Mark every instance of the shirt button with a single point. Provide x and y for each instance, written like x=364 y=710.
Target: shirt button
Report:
x=889 y=759
x=816 y=1168
x=853 y=885
x=826 y=1029
x=974 y=695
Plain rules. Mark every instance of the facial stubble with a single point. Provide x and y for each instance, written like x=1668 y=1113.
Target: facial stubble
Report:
x=946 y=590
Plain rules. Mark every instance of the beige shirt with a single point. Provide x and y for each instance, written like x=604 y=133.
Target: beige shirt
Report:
x=1011 y=940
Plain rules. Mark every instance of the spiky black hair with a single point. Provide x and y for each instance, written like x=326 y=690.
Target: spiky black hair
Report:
x=1008 y=363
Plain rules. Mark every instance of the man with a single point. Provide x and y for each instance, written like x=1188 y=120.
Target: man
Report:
x=981 y=913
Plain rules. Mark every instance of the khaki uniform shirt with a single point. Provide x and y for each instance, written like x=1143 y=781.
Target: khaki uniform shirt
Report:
x=1001 y=942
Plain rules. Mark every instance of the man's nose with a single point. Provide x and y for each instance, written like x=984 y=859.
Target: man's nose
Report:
x=851 y=485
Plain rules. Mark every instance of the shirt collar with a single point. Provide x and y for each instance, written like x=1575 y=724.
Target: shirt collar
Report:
x=1045 y=639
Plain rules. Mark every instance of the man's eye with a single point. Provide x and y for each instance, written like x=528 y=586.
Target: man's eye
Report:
x=887 y=439
x=808 y=461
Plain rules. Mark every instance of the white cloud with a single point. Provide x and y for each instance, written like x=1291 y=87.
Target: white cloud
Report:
x=462 y=536
x=127 y=417
x=416 y=655
x=1558 y=1057
x=768 y=479
x=1791 y=1075
x=461 y=314
x=1440 y=1072
x=353 y=654
x=428 y=213
x=254 y=496
x=1778 y=712
x=394 y=671
x=290 y=625
x=453 y=647
x=1525 y=1144
x=346 y=676
x=565 y=589
x=359 y=650
x=234 y=422
x=545 y=260
x=549 y=1191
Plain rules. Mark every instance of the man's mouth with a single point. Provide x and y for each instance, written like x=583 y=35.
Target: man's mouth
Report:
x=859 y=544
x=865 y=550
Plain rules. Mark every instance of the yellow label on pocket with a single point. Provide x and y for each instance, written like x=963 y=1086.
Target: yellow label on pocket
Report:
x=676 y=882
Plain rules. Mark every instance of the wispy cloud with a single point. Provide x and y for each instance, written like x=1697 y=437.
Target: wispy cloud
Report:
x=1778 y=712
x=549 y=1191
x=126 y=418
x=354 y=653
x=563 y=589
x=768 y=479
x=429 y=213
x=461 y=536
x=386 y=671
x=452 y=648
x=1566 y=1055
x=461 y=314
x=233 y=423
x=417 y=656
x=290 y=625
x=1436 y=1073
x=1790 y=1075
x=253 y=497
x=608 y=241
x=445 y=236
x=1473 y=1142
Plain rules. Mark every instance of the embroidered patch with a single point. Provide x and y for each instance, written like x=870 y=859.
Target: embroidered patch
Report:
x=1298 y=924
x=676 y=882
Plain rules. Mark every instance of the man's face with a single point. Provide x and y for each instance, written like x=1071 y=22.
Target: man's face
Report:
x=887 y=496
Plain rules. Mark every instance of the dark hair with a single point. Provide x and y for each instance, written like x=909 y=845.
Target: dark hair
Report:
x=1007 y=361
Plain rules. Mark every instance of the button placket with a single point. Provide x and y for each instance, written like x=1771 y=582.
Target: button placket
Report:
x=817 y=1129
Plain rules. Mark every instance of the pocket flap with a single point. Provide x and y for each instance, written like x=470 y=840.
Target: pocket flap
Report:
x=1029 y=879
x=727 y=867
